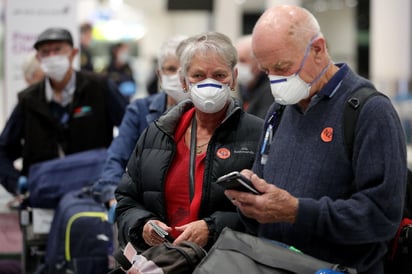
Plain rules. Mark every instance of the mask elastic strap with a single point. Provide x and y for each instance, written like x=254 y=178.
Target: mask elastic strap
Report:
x=306 y=53
x=320 y=74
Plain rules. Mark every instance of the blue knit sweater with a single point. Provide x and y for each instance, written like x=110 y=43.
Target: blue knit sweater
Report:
x=348 y=208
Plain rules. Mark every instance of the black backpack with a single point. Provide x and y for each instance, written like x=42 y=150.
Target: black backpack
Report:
x=399 y=256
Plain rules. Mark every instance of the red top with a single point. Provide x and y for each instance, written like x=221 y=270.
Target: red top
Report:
x=180 y=210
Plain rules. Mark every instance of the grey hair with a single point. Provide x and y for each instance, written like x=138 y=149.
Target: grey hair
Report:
x=168 y=49
x=204 y=43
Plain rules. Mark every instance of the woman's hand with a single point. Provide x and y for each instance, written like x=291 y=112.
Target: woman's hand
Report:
x=196 y=232
x=149 y=234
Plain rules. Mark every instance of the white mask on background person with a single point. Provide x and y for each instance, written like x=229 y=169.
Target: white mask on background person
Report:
x=209 y=95
x=55 y=66
x=172 y=86
x=123 y=57
x=245 y=74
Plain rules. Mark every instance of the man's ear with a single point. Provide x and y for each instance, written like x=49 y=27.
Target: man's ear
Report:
x=74 y=52
x=319 y=46
x=319 y=50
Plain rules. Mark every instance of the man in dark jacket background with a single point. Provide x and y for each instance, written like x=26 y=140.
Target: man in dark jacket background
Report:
x=67 y=112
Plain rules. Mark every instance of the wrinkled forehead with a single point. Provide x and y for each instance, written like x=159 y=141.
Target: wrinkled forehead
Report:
x=208 y=59
x=271 y=49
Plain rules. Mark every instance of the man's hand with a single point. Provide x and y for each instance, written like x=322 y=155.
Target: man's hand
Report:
x=272 y=206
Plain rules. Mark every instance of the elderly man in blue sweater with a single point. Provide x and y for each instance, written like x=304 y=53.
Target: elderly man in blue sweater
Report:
x=339 y=208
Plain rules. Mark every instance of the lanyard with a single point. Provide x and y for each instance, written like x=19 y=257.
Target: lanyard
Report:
x=192 y=159
x=271 y=126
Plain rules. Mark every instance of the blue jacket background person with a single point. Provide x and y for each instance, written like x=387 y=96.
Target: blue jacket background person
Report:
x=139 y=114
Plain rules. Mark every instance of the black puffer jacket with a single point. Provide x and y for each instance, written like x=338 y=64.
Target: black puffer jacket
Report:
x=140 y=194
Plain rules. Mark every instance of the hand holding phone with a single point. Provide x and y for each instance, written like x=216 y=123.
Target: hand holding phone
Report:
x=236 y=181
x=161 y=232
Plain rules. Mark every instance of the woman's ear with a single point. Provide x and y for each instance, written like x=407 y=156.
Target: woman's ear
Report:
x=183 y=83
x=234 y=82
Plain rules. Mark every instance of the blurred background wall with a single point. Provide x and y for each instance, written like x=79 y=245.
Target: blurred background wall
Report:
x=373 y=36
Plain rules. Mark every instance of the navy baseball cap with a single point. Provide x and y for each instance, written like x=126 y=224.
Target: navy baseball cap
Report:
x=52 y=35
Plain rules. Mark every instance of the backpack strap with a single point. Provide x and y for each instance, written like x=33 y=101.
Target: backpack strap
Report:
x=351 y=112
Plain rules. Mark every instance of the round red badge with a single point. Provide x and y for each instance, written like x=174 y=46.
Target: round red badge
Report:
x=223 y=153
x=327 y=134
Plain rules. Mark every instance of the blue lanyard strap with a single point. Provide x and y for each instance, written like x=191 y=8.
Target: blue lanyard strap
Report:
x=270 y=128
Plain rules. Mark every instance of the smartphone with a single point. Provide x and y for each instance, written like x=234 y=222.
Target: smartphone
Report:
x=235 y=180
x=161 y=232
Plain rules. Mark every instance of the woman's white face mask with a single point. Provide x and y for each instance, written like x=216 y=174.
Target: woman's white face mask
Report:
x=172 y=86
x=209 y=95
x=55 y=66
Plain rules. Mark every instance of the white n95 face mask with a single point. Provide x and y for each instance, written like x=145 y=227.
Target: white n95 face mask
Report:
x=172 y=86
x=55 y=67
x=288 y=90
x=123 y=57
x=209 y=95
x=245 y=74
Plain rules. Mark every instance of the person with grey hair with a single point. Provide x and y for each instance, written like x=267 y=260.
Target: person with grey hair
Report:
x=139 y=113
x=169 y=180
x=336 y=202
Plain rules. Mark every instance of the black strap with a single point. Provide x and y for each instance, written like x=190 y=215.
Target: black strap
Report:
x=351 y=112
x=275 y=118
x=192 y=159
x=279 y=116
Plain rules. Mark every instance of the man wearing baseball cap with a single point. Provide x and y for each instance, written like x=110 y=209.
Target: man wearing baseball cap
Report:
x=67 y=112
